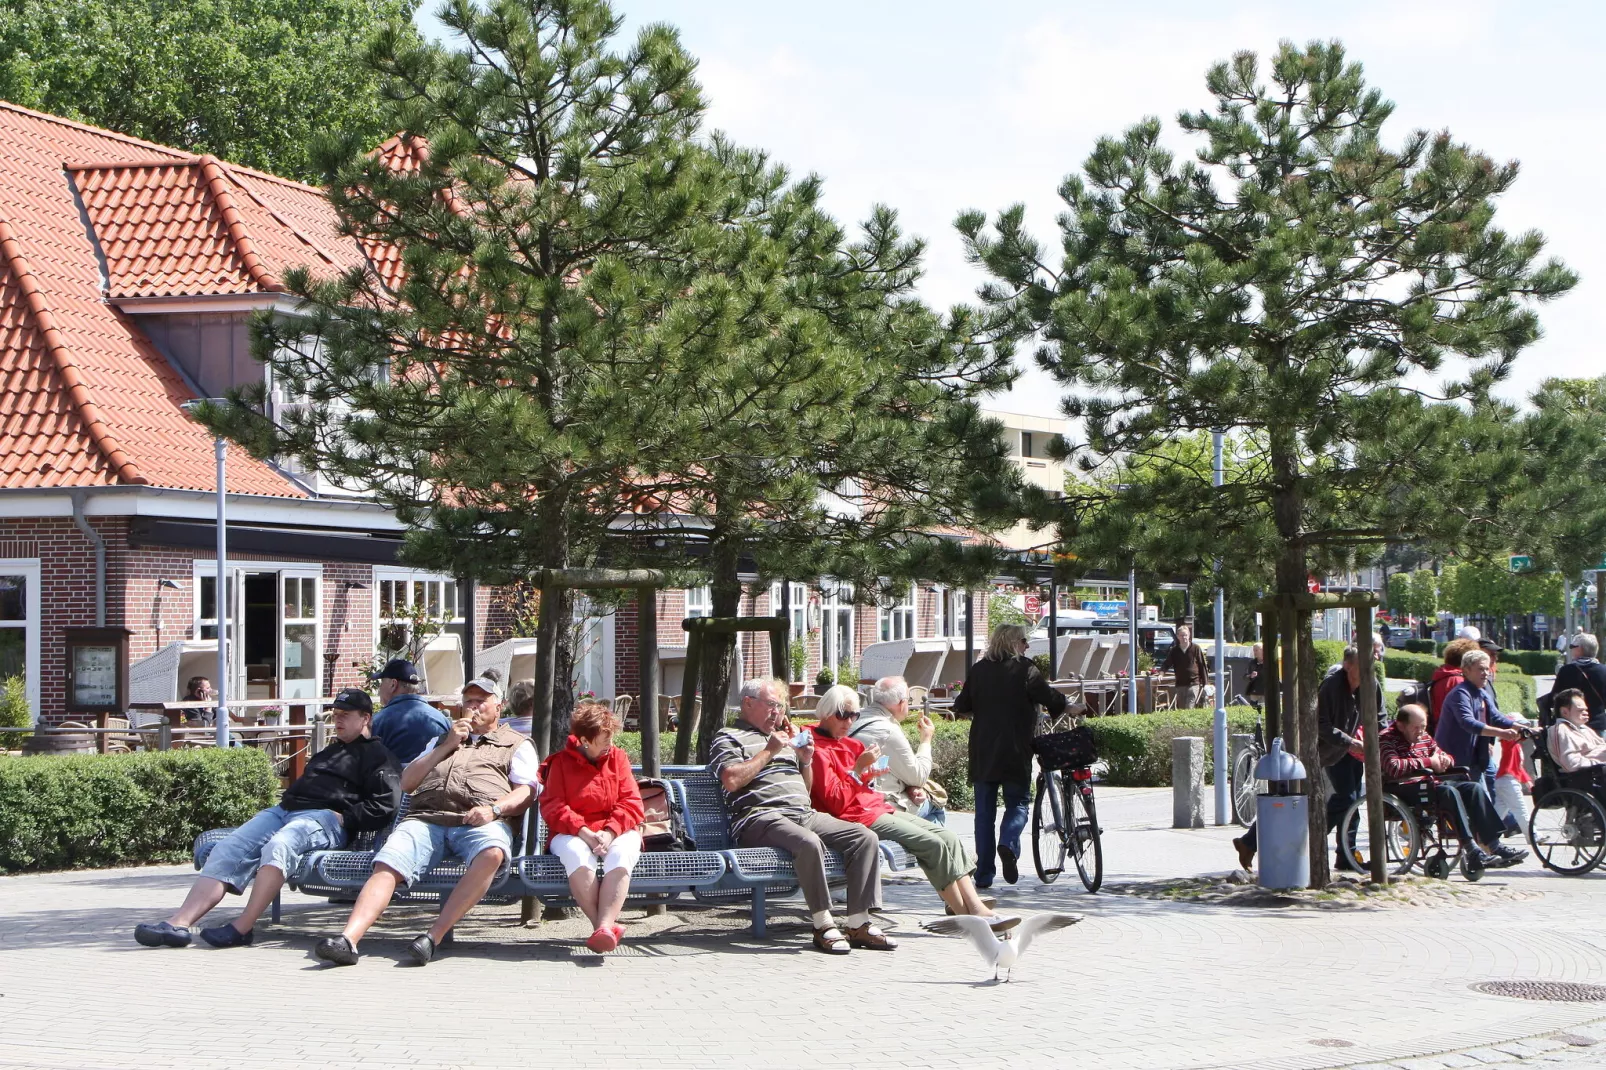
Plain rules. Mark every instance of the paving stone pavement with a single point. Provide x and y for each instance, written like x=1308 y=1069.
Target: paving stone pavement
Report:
x=1139 y=985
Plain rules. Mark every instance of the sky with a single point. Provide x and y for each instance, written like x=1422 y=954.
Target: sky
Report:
x=934 y=107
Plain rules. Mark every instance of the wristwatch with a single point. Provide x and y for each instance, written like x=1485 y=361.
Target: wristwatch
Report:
x=496 y=808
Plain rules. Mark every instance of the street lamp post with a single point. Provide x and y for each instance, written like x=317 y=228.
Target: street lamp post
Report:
x=1217 y=477
x=220 y=449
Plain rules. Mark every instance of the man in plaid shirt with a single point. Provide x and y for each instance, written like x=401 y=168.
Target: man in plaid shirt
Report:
x=1411 y=755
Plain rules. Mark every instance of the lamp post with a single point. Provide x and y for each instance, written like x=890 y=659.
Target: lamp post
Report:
x=1216 y=478
x=220 y=449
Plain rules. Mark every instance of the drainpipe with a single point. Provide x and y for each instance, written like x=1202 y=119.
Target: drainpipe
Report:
x=78 y=499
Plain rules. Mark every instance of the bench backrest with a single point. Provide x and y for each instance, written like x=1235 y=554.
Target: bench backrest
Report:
x=706 y=820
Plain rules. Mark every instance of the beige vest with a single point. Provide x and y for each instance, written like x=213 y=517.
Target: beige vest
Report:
x=475 y=774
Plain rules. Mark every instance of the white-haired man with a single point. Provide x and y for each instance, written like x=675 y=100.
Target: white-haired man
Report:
x=766 y=768
x=880 y=724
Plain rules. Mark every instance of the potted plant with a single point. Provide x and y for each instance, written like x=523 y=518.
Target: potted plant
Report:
x=823 y=680
x=798 y=654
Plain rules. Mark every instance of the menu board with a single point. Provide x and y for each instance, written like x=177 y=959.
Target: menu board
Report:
x=94 y=675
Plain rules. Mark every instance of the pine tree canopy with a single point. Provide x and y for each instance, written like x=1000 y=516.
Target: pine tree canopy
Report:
x=1301 y=283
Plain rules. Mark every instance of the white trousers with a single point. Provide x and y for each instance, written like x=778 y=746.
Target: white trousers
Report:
x=622 y=852
x=1508 y=800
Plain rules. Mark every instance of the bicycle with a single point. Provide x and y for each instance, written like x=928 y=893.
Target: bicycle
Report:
x=1064 y=816
x=1244 y=785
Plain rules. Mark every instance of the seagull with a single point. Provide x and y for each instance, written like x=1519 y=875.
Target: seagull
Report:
x=1001 y=949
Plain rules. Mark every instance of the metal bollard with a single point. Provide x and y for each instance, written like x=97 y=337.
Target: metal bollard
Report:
x=1187 y=782
x=318 y=729
x=164 y=736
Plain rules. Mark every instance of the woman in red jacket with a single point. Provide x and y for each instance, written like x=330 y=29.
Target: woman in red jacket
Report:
x=593 y=808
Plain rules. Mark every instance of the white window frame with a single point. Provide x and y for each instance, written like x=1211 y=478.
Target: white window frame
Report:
x=699 y=601
x=896 y=620
x=207 y=567
x=799 y=607
x=836 y=601
x=29 y=569
x=436 y=580
x=950 y=618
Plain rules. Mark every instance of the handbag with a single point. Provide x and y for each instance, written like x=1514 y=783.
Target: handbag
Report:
x=1066 y=750
x=662 y=826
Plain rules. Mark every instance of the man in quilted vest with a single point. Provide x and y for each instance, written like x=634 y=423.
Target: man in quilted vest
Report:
x=462 y=790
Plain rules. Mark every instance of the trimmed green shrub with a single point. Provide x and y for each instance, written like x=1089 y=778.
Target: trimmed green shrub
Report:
x=1401 y=665
x=91 y=810
x=1137 y=747
x=1329 y=652
x=1515 y=692
x=1420 y=646
x=14 y=711
x=1532 y=662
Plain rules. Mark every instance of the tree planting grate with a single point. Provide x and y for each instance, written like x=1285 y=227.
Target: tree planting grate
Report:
x=1552 y=991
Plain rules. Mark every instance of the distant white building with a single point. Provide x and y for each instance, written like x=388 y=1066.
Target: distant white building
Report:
x=1027 y=438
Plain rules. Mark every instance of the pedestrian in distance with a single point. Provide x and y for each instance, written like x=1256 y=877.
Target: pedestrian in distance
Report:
x=1586 y=674
x=1186 y=663
x=1003 y=692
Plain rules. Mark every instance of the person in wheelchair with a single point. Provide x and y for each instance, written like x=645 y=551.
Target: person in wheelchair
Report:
x=1574 y=746
x=1411 y=758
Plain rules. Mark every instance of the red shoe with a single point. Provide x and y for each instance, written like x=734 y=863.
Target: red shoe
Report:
x=602 y=941
x=618 y=933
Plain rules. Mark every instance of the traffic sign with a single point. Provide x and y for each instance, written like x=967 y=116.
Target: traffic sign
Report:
x=1521 y=563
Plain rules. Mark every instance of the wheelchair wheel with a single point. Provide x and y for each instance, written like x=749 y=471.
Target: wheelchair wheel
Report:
x=1471 y=866
x=1568 y=831
x=1437 y=866
x=1402 y=837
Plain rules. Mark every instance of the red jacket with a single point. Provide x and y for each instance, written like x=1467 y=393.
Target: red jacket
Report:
x=1444 y=680
x=836 y=791
x=1404 y=760
x=578 y=794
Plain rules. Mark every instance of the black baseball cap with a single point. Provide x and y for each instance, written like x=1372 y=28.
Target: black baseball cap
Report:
x=399 y=669
x=355 y=699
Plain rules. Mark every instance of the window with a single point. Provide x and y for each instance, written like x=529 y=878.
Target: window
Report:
x=20 y=625
x=799 y=597
x=299 y=607
x=407 y=602
x=699 y=602
x=1026 y=444
x=897 y=620
x=836 y=624
x=950 y=612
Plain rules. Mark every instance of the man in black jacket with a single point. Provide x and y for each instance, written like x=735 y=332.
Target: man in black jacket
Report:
x=1587 y=675
x=351 y=786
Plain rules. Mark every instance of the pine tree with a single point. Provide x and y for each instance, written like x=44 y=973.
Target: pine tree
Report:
x=827 y=417
x=1295 y=283
x=544 y=202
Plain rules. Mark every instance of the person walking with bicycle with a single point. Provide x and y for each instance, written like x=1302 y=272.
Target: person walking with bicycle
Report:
x=1002 y=693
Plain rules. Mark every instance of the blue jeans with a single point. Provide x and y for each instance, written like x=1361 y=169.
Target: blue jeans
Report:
x=274 y=837
x=1016 y=800
x=930 y=811
x=413 y=846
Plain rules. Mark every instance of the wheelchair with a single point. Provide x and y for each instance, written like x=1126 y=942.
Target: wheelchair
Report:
x=1417 y=830
x=1567 y=829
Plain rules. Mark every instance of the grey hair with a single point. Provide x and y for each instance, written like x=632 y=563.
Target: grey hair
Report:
x=889 y=691
x=1474 y=657
x=1351 y=653
x=1587 y=642
x=1001 y=644
x=838 y=701
x=760 y=687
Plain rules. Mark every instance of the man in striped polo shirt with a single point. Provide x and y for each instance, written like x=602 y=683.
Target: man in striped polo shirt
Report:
x=764 y=765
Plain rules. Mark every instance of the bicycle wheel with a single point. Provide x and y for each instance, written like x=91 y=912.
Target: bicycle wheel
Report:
x=1244 y=785
x=1401 y=835
x=1087 y=848
x=1048 y=827
x=1568 y=831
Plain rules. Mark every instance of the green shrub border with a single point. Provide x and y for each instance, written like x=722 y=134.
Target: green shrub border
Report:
x=92 y=810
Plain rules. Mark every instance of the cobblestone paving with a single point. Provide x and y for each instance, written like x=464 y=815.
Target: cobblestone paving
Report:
x=1140 y=984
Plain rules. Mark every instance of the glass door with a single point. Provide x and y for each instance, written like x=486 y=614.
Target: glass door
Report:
x=298 y=630
x=19 y=632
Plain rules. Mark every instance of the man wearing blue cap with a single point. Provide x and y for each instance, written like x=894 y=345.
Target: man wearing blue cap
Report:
x=406 y=724
x=351 y=786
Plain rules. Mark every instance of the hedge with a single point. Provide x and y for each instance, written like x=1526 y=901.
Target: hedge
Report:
x=1421 y=646
x=1137 y=746
x=1532 y=662
x=92 y=810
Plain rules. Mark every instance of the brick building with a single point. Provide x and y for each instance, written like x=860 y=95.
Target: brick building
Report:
x=128 y=273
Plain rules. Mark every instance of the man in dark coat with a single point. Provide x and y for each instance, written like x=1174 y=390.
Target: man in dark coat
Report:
x=1587 y=675
x=1002 y=694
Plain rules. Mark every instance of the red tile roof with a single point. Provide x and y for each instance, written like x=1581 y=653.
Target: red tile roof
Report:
x=89 y=217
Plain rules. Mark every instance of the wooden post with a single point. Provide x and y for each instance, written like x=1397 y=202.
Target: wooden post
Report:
x=647 y=626
x=688 y=698
x=778 y=652
x=100 y=737
x=1271 y=686
x=298 y=756
x=1374 y=755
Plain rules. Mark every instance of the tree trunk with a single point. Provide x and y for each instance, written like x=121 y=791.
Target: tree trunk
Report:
x=551 y=631
x=563 y=656
x=719 y=649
